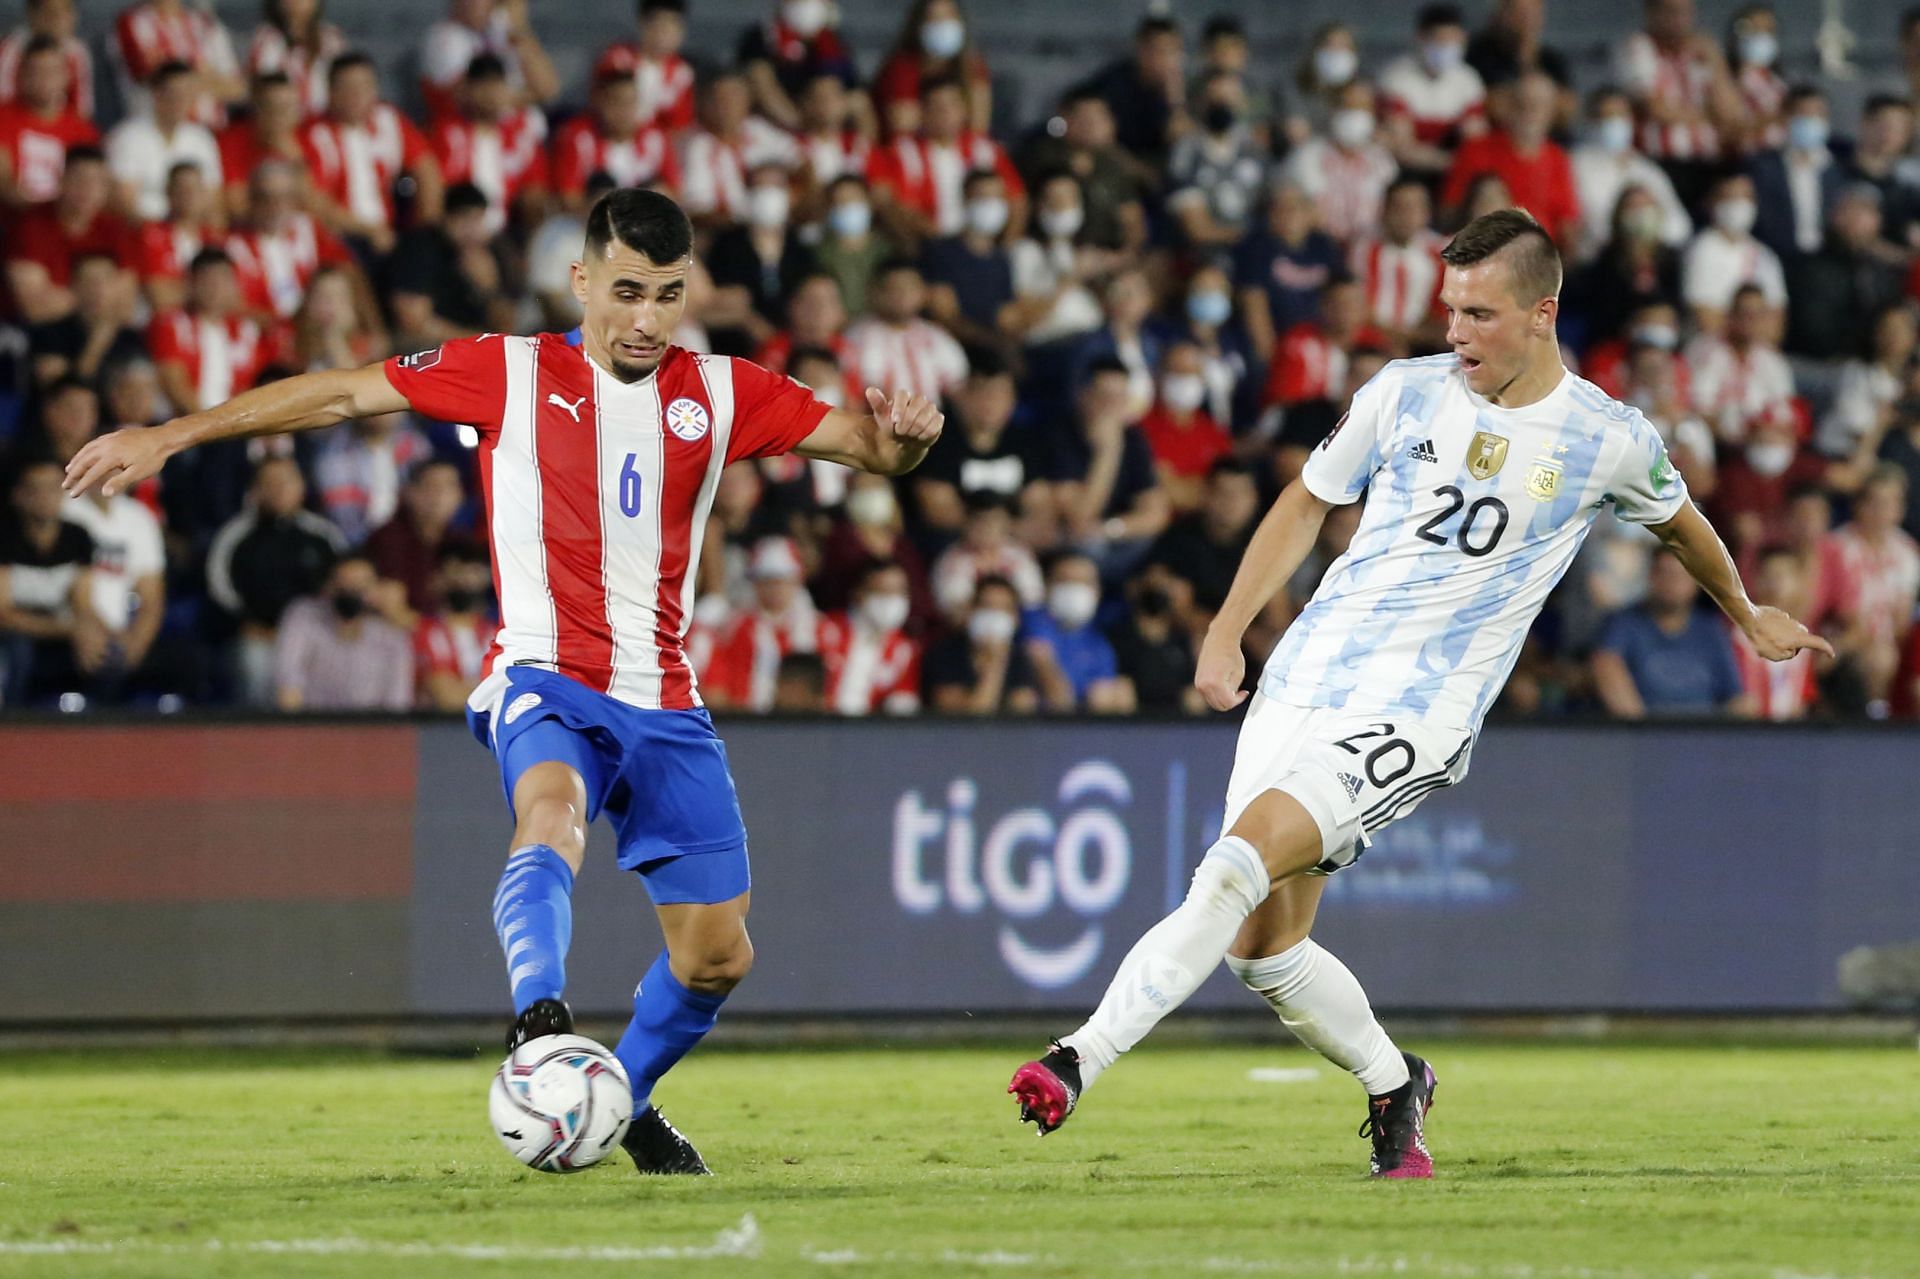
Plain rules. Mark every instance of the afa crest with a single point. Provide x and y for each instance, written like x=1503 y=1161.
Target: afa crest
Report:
x=1543 y=481
x=687 y=418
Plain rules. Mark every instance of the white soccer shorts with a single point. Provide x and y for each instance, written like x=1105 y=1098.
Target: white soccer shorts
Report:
x=1353 y=773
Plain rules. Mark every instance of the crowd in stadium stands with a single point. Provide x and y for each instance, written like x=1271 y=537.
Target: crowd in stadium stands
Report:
x=1141 y=312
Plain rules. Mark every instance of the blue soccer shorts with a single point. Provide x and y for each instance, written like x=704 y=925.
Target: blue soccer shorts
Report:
x=660 y=776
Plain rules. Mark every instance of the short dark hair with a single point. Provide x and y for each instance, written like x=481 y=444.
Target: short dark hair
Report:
x=648 y=7
x=1155 y=25
x=986 y=362
x=1881 y=101
x=804 y=354
x=270 y=80
x=1804 y=92
x=1535 y=261
x=1229 y=466
x=464 y=197
x=486 y=66
x=348 y=61
x=172 y=69
x=206 y=258
x=1103 y=364
x=1438 y=15
x=930 y=85
x=987 y=174
x=1223 y=24
x=895 y=265
x=64 y=384
x=647 y=222
x=39 y=45
x=996 y=581
x=85 y=153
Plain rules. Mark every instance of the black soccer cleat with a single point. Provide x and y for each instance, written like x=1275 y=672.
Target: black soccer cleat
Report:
x=543 y=1017
x=658 y=1147
x=1397 y=1122
x=1048 y=1089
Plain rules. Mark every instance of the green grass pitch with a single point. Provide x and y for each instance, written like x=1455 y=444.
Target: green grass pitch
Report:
x=1592 y=1160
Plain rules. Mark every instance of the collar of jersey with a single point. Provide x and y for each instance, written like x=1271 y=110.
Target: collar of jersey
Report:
x=1482 y=402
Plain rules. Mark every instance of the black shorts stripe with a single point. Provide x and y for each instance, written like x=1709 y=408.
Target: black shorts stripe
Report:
x=1444 y=773
x=1378 y=819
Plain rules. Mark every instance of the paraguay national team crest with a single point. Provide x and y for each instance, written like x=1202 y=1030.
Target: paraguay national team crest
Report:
x=1486 y=455
x=688 y=419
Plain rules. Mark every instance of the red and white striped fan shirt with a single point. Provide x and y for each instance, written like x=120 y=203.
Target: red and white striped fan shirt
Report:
x=37 y=148
x=930 y=177
x=275 y=267
x=503 y=160
x=145 y=39
x=837 y=153
x=1780 y=690
x=868 y=671
x=597 y=492
x=917 y=356
x=1677 y=79
x=355 y=165
x=666 y=88
x=1402 y=281
x=164 y=250
x=79 y=70
x=581 y=150
x=222 y=357
x=745 y=661
x=714 y=171
x=270 y=51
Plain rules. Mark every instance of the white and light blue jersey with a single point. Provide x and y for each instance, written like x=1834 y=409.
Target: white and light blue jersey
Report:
x=1473 y=514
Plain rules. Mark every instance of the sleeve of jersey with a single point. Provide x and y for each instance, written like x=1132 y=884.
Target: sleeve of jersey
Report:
x=771 y=413
x=1341 y=465
x=463 y=381
x=1646 y=487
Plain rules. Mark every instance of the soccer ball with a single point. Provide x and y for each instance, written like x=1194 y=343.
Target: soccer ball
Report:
x=560 y=1103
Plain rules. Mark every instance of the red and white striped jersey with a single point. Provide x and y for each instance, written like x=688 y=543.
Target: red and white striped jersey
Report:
x=714 y=170
x=917 y=356
x=931 y=177
x=597 y=494
x=666 y=88
x=829 y=157
x=1349 y=187
x=165 y=249
x=270 y=51
x=222 y=357
x=79 y=70
x=275 y=267
x=355 y=165
x=1680 y=80
x=1780 y=690
x=868 y=671
x=1402 y=281
x=144 y=39
x=37 y=148
x=503 y=160
x=744 y=663
x=1437 y=105
x=581 y=150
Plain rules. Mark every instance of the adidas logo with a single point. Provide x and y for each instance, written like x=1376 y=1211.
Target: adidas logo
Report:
x=1423 y=452
x=1352 y=784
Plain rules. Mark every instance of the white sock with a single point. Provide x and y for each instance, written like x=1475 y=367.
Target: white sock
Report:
x=1320 y=1000
x=1170 y=961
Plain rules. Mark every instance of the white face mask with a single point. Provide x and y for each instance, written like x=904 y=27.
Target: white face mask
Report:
x=850 y=221
x=991 y=626
x=1073 y=603
x=885 y=612
x=987 y=216
x=1643 y=223
x=1335 y=65
x=1769 y=460
x=1062 y=224
x=1351 y=126
x=831 y=395
x=872 y=507
x=1759 y=49
x=1614 y=134
x=806 y=17
x=1442 y=56
x=1663 y=336
x=768 y=206
x=943 y=37
x=1183 y=392
x=1735 y=216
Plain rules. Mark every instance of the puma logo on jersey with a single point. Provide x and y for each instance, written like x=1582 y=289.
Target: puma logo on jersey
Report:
x=1422 y=451
x=573 y=409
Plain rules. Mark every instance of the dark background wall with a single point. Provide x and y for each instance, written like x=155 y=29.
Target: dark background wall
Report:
x=346 y=870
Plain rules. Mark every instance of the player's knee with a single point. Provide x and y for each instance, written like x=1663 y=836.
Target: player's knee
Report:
x=555 y=821
x=1284 y=833
x=717 y=969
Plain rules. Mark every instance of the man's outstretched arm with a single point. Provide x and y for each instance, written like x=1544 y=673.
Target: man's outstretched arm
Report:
x=1276 y=551
x=889 y=440
x=118 y=461
x=1774 y=634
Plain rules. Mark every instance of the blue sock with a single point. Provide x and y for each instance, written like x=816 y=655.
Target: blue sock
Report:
x=668 y=1019
x=533 y=913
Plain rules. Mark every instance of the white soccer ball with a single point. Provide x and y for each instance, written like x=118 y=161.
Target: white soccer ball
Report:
x=560 y=1103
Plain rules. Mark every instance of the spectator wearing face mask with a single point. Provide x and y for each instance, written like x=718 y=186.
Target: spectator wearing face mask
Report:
x=1632 y=271
x=979 y=669
x=334 y=653
x=451 y=639
x=1052 y=267
x=1753 y=49
x=1224 y=48
x=1152 y=651
x=1431 y=99
x=1399 y=269
x=1538 y=174
x=1653 y=380
x=1217 y=170
x=755 y=265
x=1185 y=439
x=1347 y=172
x=870 y=531
x=935 y=41
x=1750 y=501
x=986 y=549
x=797 y=41
x=851 y=248
x=1206 y=318
x=1724 y=256
x=1794 y=183
x=872 y=663
x=744 y=667
x=1740 y=379
x=970 y=275
x=1073 y=663
x=895 y=348
x=1079 y=142
x=920 y=178
x=1605 y=165
x=731 y=143
x=1331 y=63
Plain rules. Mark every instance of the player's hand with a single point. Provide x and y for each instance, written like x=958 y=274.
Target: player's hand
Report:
x=1776 y=636
x=908 y=416
x=1221 y=668
x=118 y=461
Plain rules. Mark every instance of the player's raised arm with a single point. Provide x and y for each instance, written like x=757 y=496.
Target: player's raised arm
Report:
x=118 y=461
x=1281 y=542
x=1775 y=635
x=891 y=440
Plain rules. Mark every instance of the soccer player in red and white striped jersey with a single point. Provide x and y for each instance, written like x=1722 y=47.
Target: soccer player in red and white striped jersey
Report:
x=600 y=454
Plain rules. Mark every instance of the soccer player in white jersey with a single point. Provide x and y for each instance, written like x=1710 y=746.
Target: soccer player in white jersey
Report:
x=600 y=453
x=1483 y=469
